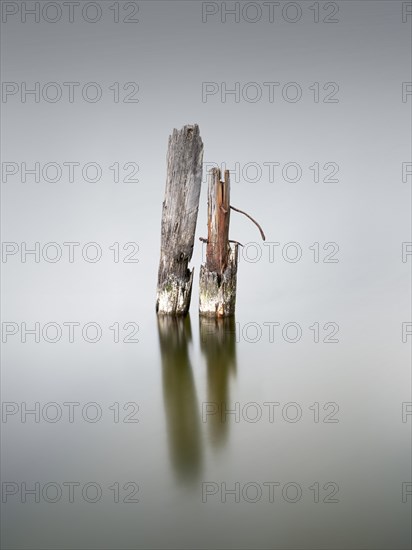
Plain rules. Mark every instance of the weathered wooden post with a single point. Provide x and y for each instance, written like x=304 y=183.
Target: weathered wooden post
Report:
x=217 y=292
x=179 y=217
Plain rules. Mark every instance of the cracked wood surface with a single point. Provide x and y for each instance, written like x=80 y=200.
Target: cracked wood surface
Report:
x=218 y=276
x=179 y=217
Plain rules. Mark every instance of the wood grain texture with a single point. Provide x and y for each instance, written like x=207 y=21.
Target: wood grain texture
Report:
x=218 y=276
x=179 y=217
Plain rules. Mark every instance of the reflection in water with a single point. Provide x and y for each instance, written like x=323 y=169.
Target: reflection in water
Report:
x=218 y=345
x=179 y=393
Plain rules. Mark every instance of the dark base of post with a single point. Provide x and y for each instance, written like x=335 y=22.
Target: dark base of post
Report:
x=173 y=295
x=217 y=293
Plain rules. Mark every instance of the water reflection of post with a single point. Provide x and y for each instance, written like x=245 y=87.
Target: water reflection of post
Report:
x=218 y=345
x=179 y=394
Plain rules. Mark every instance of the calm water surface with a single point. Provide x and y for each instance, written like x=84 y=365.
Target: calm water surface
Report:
x=225 y=440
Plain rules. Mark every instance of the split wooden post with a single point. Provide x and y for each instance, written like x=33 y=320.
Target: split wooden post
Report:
x=217 y=292
x=179 y=217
